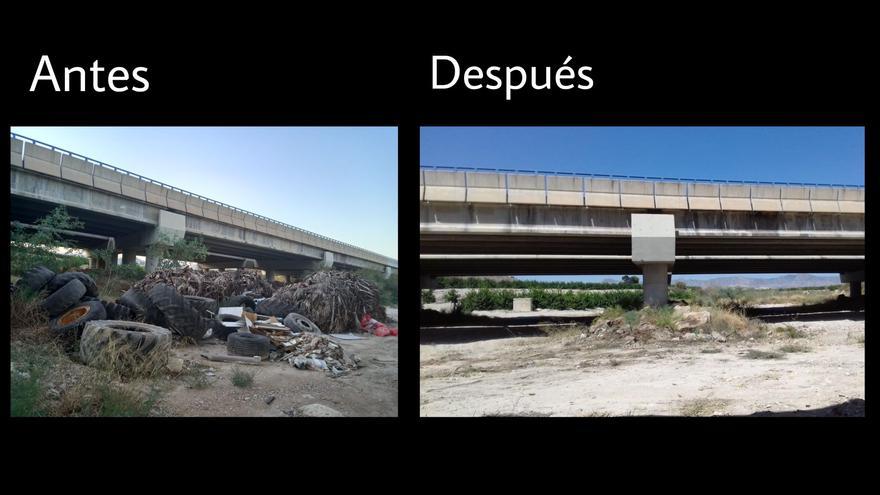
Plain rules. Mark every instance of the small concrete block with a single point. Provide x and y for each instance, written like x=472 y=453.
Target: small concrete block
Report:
x=565 y=198
x=77 y=176
x=445 y=193
x=824 y=206
x=522 y=304
x=527 y=196
x=851 y=206
x=802 y=205
x=736 y=204
x=486 y=195
x=703 y=203
x=653 y=238
x=759 y=204
x=611 y=200
x=108 y=185
x=636 y=201
x=671 y=202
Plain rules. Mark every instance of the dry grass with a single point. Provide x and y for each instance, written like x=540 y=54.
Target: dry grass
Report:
x=96 y=395
x=790 y=331
x=26 y=319
x=755 y=354
x=702 y=407
x=791 y=348
x=125 y=362
x=242 y=378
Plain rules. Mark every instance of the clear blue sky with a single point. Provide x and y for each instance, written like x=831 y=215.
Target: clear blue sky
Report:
x=794 y=154
x=337 y=181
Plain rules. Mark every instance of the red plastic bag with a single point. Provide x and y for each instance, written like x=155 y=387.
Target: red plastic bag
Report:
x=376 y=328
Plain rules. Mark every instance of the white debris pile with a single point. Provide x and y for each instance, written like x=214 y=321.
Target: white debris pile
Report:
x=315 y=352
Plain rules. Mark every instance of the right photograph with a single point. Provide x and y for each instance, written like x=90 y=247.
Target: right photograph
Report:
x=642 y=271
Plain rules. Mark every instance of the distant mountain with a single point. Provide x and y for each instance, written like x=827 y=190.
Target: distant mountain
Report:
x=783 y=282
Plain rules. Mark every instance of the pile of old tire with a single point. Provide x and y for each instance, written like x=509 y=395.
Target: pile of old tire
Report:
x=247 y=344
x=141 y=338
x=178 y=313
x=70 y=298
x=299 y=323
x=241 y=300
x=274 y=307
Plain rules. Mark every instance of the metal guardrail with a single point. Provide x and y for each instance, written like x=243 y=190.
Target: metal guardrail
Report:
x=94 y=162
x=630 y=177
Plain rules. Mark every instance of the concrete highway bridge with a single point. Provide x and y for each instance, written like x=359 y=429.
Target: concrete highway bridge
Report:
x=503 y=222
x=132 y=212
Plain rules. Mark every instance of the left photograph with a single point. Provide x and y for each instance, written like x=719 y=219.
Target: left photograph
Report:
x=203 y=271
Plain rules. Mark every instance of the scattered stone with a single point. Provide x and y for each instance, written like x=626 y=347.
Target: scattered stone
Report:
x=270 y=399
x=692 y=320
x=175 y=365
x=319 y=411
x=689 y=336
x=718 y=337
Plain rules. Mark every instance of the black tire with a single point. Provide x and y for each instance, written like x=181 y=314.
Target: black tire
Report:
x=180 y=317
x=117 y=311
x=221 y=332
x=74 y=319
x=246 y=301
x=91 y=298
x=247 y=344
x=35 y=279
x=136 y=300
x=62 y=279
x=203 y=305
x=141 y=337
x=299 y=323
x=274 y=307
x=62 y=299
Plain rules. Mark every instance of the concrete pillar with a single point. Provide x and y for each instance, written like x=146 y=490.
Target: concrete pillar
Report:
x=655 y=283
x=855 y=280
x=270 y=275
x=328 y=259
x=129 y=257
x=855 y=289
x=151 y=264
x=387 y=272
x=653 y=249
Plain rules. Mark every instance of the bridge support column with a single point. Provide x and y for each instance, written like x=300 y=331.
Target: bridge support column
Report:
x=270 y=275
x=387 y=272
x=427 y=282
x=855 y=280
x=328 y=260
x=152 y=262
x=655 y=284
x=129 y=257
x=653 y=249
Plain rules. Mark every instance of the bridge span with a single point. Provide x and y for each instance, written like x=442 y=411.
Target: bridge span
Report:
x=489 y=222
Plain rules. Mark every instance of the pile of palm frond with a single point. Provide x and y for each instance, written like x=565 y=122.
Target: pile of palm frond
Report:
x=213 y=284
x=333 y=300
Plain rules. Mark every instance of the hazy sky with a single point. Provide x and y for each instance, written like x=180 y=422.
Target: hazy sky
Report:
x=336 y=181
x=834 y=155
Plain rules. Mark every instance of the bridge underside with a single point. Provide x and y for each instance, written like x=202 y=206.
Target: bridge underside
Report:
x=225 y=253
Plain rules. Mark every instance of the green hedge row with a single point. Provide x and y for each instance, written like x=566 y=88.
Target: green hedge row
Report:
x=484 y=299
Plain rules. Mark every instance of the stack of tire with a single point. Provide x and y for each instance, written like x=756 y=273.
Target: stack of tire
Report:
x=164 y=306
x=70 y=299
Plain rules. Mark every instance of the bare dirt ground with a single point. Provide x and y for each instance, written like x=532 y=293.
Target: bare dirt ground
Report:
x=565 y=374
x=370 y=390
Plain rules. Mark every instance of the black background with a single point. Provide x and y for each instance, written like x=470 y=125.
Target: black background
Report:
x=662 y=77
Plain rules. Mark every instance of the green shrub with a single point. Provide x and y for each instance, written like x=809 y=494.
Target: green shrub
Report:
x=29 y=247
x=428 y=296
x=452 y=297
x=483 y=283
x=485 y=299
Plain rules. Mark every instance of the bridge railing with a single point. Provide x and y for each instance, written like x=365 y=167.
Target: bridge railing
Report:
x=505 y=186
x=49 y=159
